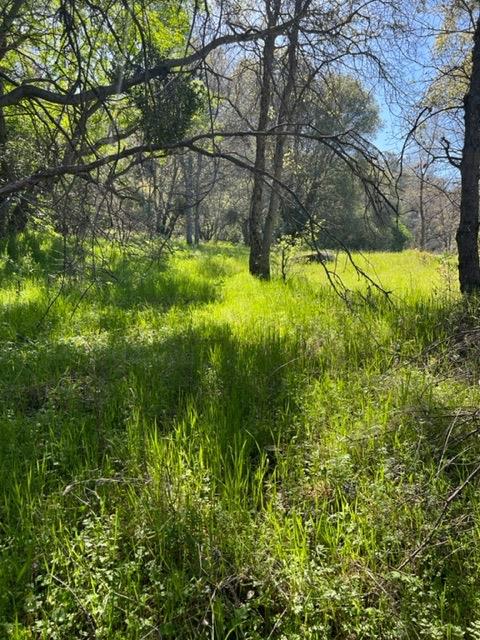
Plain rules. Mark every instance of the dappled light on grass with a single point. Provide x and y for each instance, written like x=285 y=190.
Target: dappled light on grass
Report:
x=187 y=452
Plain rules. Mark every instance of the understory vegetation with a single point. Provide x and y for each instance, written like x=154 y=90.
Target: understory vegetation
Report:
x=188 y=452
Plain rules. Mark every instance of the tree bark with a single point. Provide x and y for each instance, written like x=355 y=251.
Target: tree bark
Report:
x=421 y=210
x=4 y=166
x=165 y=217
x=284 y=116
x=198 y=197
x=467 y=233
x=13 y=219
x=188 y=177
x=257 y=259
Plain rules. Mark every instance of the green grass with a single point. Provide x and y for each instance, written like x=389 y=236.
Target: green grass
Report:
x=186 y=452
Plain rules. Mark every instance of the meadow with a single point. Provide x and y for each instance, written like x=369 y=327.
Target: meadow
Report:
x=187 y=452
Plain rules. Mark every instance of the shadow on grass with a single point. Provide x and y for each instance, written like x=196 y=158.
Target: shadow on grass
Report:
x=247 y=382
x=31 y=318
x=157 y=287
x=221 y=250
x=74 y=410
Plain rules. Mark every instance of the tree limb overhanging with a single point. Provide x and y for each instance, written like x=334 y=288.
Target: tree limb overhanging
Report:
x=159 y=72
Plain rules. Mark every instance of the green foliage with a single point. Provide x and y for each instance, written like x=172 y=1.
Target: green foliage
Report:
x=400 y=237
x=453 y=45
x=187 y=452
x=70 y=47
x=334 y=212
x=287 y=251
x=357 y=232
x=167 y=108
x=340 y=226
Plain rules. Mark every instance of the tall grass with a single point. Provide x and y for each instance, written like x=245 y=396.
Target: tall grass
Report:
x=186 y=452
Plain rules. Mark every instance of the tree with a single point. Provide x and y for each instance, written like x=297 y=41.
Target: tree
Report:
x=454 y=94
x=322 y=49
x=90 y=97
x=467 y=234
x=261 y=238
x=335 y=212
x=114 y=92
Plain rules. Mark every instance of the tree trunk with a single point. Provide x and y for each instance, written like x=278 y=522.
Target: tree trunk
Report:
x=165 y=217
x=421 y=210
x=13 y=217
x=188 y=177
x=467 y=233
x=258 y=263
x=246 y=232
x=198 y=197
x=4 y=168
x=4 y=165
x=284 y=116
x=11 y=220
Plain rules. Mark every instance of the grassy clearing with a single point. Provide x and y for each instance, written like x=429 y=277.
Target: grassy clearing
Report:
x=189 y=453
